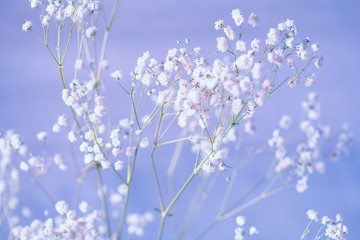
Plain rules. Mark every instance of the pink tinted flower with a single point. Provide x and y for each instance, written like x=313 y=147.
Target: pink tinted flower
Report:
x=241 y=46
x=238 y=18
x=244 y=62
x=229 y=32
x=221 y=44
x=91 y=31
x=253 y=19
x=100 y=110
x=273 y=36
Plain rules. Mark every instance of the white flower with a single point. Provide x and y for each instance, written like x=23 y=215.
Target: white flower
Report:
x=27 y=26
x=117 y=75
x=221 y=44
x=119 y=165
x=240 y=220
x=41 y=136
x=61 y=207
x=91 y=31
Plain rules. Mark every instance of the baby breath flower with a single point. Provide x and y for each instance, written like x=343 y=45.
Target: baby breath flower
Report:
x=255 y=45
x=325 y=220
x=256 y=71
x=273 y=36
x=61 y=207
x=221 y=44
x=240 y=220
x=117 y=75
x=253 y=231
x=319 y=61
x=315 y=47
x=84 y=207
x=56 y=128
x=301 y=184
x=100 y=110
x=238 y=18
x=34 y=3
x=236 y=106
x=289 y=42
x=144 y=143
x=253 y=19
x=88 y=158
x=310 y=80
x=244 y=62
x=72 y=137
x=90 y=32
x=312 y=215
x=129 y=151
x=119 y=165
x=229 y=32
x=41 y=136
x=241 y=46
x=219 y=24
x=51 y=9
x=285 y=121
x=24 y=166
x=197 y=50
x=27 y=26
x=339 y=218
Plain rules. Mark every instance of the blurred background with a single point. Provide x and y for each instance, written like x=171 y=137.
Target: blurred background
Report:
x=30 y=99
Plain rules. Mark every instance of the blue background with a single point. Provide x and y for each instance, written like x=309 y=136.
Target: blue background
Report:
x=30 y=99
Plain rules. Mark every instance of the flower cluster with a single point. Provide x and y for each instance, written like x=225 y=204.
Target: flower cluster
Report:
x=203 y=99
x=310 y=152
x=240 y=231
x=328 y=228
x=67 y=225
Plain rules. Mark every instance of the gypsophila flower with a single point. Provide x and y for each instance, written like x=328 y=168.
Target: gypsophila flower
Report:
x=41 y=136
x=241 y=46
x=90 y=32
x=61 y=207
x=27 y=26
x=119 y=165
x=219 y=24
x=312 y=215
x=253 y=19
x=238 y=18
x=240 y=220
x=222 y=44
x=253 y=231
x=117 y=75
x=229 y=32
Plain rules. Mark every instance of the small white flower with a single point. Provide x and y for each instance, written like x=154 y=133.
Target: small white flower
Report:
x=240 y=220
x=27 y=26
x=61 y=207
x=41 y=136
x=117 y=75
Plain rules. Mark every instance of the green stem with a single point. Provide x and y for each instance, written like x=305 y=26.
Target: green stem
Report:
x=103 y=201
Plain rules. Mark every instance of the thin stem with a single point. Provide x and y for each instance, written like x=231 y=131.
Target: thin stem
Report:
x=153 y=163
x=166 y=211
x=173 y=141
x=102 y=195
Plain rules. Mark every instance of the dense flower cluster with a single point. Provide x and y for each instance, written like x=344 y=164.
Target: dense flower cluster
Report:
x=329 y=228
x=67 y=225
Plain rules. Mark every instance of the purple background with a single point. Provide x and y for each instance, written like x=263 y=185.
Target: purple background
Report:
x=30 y=99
